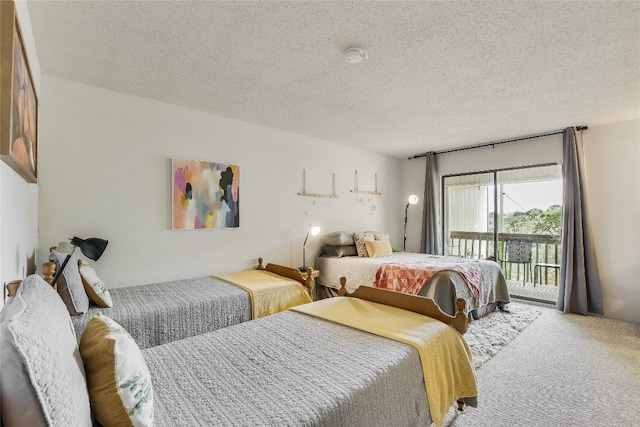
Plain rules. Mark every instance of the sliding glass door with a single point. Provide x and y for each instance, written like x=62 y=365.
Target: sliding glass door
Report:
x=469 y=204
x=510 y=215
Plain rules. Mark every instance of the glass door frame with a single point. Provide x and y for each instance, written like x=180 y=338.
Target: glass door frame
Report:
x=494 y=172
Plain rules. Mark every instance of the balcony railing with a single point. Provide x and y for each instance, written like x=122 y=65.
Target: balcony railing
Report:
x=545 y=262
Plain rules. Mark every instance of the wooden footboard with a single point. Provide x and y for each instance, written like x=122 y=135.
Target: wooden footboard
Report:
x=417 y=304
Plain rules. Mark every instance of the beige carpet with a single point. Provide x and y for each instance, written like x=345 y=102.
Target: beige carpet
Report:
x=488 y=335
x=562 y=370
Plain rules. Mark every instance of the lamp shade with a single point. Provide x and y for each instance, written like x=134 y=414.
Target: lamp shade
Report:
x=92 y=247
x=413 y=199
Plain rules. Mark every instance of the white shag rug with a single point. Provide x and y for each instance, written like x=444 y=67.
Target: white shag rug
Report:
x=491 y=333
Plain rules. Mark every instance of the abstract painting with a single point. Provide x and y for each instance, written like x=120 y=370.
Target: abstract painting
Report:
x=205 y=195
x=18 y=101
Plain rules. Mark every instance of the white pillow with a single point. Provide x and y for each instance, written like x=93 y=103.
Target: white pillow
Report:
x=95 y=288
x=381 y=236
x=43 y=379
x=70 y=285
x=117 y=375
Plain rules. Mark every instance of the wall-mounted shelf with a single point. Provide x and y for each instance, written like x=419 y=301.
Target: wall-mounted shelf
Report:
x=304 y=187
x=304 y=193
x=366 y=192
x=356 y=190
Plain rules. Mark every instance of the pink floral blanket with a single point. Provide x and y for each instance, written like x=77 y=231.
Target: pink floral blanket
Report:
x=410 y=277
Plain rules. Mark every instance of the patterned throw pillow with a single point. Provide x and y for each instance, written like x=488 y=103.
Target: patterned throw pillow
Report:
x=378 y=248
x=97 y=291
x=360 y=238
x=117 y=376
x=70 y=285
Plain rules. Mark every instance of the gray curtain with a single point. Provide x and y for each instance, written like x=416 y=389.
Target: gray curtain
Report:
x=430 y=239
x=579 y=285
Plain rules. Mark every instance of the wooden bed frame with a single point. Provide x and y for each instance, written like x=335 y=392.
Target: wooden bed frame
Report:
x=415 y=303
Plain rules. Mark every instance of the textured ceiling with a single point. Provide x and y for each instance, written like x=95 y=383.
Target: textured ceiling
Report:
x=438 y=74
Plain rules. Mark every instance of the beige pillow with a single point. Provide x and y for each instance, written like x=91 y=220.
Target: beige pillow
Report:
x=118 y=379
x=96 y=290
x=378 y=248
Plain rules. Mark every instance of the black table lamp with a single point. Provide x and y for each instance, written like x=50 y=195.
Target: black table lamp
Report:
x=92 y=248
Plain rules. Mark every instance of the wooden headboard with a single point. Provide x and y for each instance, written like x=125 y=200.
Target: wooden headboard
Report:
x=12 y=287
x=289 y=272
x=306 y=280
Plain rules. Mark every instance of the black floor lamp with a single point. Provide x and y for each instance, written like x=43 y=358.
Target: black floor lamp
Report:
x=413 y=199
x=92 y=248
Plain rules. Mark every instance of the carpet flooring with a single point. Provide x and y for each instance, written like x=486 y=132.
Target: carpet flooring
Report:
x=488 y=335
x=562 y=370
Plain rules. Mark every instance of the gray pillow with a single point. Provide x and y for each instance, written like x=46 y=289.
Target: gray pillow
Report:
x=338 y=238
x=70 y=286
x=43 y=379
x=339 y=251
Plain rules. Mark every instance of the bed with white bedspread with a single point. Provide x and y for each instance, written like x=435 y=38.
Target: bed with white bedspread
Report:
x=444 y=287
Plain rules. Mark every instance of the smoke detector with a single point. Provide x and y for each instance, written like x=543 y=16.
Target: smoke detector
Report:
x=353 y=55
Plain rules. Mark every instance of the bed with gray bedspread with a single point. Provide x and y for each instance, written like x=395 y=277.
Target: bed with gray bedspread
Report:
x=327 y=375
x=159 y=313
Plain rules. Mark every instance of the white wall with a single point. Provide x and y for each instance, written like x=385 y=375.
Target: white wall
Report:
x=19 y=199
x=612 y=165
x=19 y=225
x=612 y=158
x=106 y=172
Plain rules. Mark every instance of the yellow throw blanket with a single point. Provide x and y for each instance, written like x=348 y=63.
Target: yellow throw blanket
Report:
x=270 y=293
x=445 y=355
